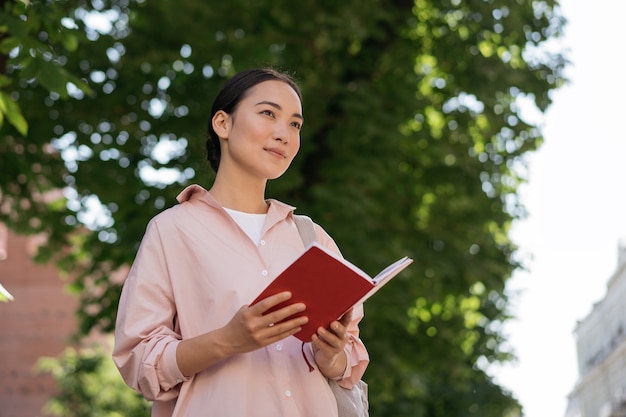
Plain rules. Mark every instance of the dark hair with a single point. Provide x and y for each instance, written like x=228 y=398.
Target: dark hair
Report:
x=233 y=91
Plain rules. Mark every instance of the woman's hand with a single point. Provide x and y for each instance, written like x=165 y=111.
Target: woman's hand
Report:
x=328 y=347
x=248 y=330
x=251 y=328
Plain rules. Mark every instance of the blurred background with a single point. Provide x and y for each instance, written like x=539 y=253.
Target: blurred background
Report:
x=576 y=224
x=471 y=136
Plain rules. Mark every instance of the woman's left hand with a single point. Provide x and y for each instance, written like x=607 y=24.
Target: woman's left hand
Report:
x=328 y=347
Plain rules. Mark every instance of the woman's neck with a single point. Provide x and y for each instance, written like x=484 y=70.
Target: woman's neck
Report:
x=245 y=196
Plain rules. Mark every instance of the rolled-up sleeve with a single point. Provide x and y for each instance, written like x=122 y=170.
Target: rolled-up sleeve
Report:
x=145 y=334
x=356 y=353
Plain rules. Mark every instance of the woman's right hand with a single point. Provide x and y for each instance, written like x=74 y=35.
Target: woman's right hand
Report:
x=248 y=330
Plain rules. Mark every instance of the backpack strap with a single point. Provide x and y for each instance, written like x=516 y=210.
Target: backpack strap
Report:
x=305 y=228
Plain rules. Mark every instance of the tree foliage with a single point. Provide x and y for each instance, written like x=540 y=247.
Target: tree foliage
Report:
x=33 y=41
x=413 y=144
x=89 y=385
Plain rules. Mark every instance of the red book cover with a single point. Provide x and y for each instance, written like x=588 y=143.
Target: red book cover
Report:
x=328 y=285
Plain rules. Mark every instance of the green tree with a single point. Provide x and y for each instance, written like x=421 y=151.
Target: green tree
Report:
x=413 y=144
x=90 y=386
x=34 y=42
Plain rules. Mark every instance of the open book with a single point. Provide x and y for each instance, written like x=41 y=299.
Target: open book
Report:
x=328 y=285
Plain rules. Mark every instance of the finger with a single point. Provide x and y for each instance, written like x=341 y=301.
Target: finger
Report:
x=288 y=325
x=329 y=338
x=339 y=329
x=279 y=331
x=284 y=313
x=271 y=301
x=327 y=348
x=346 y=318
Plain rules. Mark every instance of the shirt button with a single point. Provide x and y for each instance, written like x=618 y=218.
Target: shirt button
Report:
x=288 y=393
x=279 y=347
x=262 y=242
x=264 y=272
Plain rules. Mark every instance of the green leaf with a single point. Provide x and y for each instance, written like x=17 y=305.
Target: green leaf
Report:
x=82 y=85
x=4 y=81
x=30 y=67
x=69 y=41
x=16 y=27
x=54 y=78
x=20 y=6
x=8 y=44
x=13 y=113
x=5 y=295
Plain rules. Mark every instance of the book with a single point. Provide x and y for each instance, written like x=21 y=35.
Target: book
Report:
x=328 y=285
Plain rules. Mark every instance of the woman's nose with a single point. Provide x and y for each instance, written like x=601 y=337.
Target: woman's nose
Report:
x=281 y=133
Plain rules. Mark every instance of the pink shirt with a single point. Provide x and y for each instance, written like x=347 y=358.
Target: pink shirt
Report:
x=194 y=269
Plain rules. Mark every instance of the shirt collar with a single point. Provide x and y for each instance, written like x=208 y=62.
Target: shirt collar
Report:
x=277 y=209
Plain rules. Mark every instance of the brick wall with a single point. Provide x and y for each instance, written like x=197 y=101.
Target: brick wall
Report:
x=37 y=323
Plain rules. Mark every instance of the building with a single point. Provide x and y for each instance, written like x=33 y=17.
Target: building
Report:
x=37 y=323
x=601 y=346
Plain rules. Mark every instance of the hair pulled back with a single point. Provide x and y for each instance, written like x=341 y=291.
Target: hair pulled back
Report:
x=231 y=94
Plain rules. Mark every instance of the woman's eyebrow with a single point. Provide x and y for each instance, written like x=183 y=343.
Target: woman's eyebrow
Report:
x=278 y=107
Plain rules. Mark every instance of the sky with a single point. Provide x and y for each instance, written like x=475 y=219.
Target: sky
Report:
x=577 y=210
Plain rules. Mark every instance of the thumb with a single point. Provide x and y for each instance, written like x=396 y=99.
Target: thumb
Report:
x=346 y=318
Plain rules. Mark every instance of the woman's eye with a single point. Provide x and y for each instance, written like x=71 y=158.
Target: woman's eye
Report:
x=267 y=113
x=296 y=125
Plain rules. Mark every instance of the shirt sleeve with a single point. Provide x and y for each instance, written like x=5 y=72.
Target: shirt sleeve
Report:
x=356 y=353
x=146 y=336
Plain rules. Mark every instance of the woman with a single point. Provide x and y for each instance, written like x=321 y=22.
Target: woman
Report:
x=185 y=336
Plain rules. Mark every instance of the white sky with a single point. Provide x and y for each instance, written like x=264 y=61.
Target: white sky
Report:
x=577 y=207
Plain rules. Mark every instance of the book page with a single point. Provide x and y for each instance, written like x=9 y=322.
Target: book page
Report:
x=385 y=276
x=400 y=263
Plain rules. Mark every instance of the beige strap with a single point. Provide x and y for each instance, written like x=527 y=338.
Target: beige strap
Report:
x=305 y=228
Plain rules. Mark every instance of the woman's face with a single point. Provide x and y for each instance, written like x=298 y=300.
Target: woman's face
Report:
x=262 y=136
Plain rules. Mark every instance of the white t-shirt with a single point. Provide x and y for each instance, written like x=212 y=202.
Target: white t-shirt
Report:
x=251 y=223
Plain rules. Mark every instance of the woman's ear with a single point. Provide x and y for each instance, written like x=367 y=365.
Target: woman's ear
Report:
x=221 y=124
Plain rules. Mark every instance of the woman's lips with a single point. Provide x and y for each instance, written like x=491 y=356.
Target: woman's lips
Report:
x=276 y=152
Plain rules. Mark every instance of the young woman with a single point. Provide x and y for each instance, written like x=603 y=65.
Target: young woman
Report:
x=185 y=336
